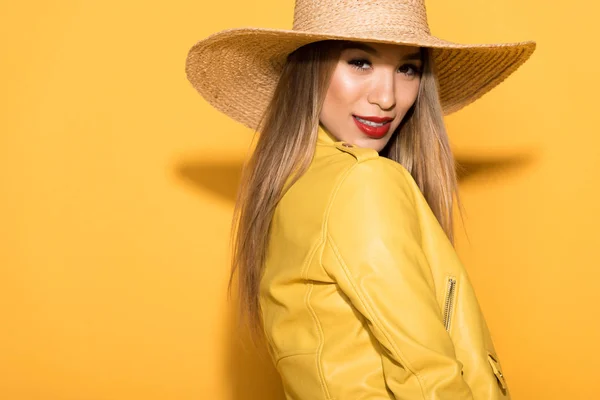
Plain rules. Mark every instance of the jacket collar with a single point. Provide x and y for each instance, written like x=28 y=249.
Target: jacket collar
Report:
x=325 y=137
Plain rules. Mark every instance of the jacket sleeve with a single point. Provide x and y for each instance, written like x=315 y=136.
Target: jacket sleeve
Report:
x=372 y=228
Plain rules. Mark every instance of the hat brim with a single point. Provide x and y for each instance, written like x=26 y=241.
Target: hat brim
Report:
x=236 y=70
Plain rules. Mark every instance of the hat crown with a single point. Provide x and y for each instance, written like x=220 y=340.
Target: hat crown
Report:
x=376 y=18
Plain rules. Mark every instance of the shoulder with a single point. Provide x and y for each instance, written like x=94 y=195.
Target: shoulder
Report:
x=366 y=170
x=371 y=186
x=362 y=160
x=375 y=199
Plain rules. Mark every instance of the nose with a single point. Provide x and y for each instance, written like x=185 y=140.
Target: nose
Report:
x=383 y=90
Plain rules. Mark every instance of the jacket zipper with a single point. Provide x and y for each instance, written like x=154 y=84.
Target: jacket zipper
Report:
x=496 y=368
x=449 y=303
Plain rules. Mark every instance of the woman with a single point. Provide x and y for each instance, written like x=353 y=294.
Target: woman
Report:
x=343 y=226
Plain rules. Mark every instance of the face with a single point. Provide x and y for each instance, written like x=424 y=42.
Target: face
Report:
x=372 y=88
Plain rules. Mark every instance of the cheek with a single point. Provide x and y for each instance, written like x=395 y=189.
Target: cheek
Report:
x=407 y=94
x=343 y=90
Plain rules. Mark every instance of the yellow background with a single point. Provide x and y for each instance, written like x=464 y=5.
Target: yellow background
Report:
x=117 y=180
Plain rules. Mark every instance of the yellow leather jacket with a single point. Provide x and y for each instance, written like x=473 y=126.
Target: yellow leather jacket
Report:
x=363 y=295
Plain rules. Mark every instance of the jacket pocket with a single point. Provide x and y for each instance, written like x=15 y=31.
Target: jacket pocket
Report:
x=497 y=370
x=449 y=300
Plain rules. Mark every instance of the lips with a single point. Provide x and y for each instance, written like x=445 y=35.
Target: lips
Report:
x=375 y=119
x=375 y=131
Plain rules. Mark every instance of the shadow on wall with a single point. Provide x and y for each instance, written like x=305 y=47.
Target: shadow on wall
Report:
x=251 y=372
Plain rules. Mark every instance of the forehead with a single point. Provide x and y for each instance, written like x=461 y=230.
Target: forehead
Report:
x=383 y=49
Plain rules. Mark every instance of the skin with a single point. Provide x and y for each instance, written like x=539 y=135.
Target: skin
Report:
x=380 y=80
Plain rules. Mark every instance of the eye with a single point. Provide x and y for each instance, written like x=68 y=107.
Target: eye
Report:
x=360 y=64
x=413 y=70
x=363 y=64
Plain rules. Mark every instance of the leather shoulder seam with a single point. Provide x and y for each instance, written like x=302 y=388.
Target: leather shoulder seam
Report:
x=359 y=153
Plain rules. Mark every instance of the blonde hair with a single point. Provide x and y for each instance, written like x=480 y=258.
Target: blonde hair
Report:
x=286 y=144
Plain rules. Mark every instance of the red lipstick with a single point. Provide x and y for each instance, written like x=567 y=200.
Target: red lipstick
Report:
x=377 y=130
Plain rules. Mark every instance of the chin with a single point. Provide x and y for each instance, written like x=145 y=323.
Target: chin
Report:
x=379 y=146
x=375 y=144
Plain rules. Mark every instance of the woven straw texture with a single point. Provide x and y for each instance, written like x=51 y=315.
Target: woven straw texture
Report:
x=236 y=70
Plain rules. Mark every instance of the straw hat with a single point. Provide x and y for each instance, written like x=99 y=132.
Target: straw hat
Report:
x=236 y=70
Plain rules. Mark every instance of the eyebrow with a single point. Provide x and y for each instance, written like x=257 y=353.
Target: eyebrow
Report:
x=371 y=50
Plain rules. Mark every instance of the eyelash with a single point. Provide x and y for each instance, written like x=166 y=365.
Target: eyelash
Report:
x=356 y=61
